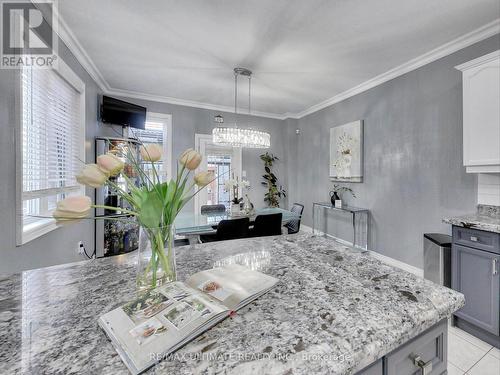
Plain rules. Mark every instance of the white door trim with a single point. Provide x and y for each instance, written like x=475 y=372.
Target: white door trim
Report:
x=166 y=119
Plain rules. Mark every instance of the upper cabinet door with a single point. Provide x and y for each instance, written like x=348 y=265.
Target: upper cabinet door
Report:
x=481 y=113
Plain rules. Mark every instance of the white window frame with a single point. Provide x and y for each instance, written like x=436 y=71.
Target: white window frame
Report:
x=166 y=120
x=42 y=225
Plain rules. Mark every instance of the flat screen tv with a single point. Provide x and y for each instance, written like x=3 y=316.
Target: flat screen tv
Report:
x=118 y=112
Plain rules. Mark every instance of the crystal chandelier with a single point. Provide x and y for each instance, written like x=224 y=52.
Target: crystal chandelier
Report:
x=241 y=137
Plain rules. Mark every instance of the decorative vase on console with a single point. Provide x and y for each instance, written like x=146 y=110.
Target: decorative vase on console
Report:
x=334 y=198
x=152 y=203
x=337 y=193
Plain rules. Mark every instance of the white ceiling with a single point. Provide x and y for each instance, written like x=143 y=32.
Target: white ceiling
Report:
x=302 y=52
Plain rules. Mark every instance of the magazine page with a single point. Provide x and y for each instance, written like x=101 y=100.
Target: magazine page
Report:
x=233 y=285
x=159 y=320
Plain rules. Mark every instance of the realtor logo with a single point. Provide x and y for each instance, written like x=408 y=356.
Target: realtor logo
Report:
x=28 y=36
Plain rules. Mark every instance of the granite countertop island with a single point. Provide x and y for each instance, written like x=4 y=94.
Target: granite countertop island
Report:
x=486 y=218
x=331 y=301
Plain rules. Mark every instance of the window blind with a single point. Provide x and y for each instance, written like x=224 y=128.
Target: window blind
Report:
x=153 y=133
x=52 y=139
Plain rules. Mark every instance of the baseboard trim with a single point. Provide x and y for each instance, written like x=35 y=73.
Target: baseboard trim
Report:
x=383 y=258
x=397 y=263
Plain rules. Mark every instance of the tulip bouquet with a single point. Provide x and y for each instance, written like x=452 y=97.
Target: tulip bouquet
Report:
x=153 y=203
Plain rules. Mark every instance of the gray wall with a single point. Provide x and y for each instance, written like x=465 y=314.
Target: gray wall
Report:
x=413 y=173
x=187 y=121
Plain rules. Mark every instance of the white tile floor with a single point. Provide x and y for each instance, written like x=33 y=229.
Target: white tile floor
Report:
x=470 y=356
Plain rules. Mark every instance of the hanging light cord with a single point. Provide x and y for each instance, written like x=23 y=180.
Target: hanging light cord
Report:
x=249 y=91
x=235 y=97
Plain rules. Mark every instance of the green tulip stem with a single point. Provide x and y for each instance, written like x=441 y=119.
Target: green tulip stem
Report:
x=158 y=256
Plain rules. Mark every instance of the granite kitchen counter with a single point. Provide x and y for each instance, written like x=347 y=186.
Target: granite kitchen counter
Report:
x=334 y=311
x=486 y=218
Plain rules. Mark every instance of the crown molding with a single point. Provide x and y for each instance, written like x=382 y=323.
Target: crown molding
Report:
x=479 y=61
x=186 y=103
x=70 y=40
x=446 y=49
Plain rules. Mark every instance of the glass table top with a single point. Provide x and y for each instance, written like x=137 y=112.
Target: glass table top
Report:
x=343 y=208
x=188 y=223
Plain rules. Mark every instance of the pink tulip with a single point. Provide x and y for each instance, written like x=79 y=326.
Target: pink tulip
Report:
x=190 y=159
x=92 y=175
x=151 y=152
x=72 y=208
x=110 y=164
x=204 y=178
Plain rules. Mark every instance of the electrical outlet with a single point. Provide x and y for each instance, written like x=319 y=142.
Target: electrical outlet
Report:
x=80 y=249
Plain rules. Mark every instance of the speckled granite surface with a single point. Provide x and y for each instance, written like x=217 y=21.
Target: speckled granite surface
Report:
x=486 y=218
x=331 y=301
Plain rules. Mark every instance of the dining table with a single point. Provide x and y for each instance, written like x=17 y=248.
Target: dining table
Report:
x=191 y=224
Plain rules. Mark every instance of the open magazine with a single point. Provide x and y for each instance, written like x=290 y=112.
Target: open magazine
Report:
x=164 y=319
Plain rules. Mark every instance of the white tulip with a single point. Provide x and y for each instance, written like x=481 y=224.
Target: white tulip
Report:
x=92 y=175
x=110 y=164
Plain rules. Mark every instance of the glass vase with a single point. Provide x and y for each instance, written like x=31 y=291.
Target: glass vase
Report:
x=156 y=257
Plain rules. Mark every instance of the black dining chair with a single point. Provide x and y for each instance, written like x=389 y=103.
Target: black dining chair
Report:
x=267 y=225
x=228 y=230
x=293 y=226
x=212 y=209
x=181 y=242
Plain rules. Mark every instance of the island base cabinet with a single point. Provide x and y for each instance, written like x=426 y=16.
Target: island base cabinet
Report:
x=374 y=369
x=427 y=354
x=475 y=274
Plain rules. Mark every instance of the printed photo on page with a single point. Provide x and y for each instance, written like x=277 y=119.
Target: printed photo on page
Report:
x=147 y=305
x=175 y=291
x=215 y=290
x=181 y=315
x=148 y=330
x=198 y=305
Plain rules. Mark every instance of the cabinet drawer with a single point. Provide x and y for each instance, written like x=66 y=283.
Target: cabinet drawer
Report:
x=477 y=239
x=374 y=369
x=430 y=347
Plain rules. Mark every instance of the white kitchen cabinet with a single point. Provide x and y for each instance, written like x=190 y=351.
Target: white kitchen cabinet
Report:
x=481 y=113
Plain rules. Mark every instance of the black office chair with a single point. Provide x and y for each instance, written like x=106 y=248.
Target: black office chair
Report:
x=228 y=230
x=293 y=226
x=212 y=209
x=267 y=225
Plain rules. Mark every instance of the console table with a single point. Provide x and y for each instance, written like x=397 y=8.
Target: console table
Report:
x=359 y=221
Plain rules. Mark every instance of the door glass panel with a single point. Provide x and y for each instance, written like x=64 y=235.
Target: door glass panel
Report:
x=220 y=165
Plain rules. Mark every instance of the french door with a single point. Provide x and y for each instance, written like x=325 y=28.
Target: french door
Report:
x=225 y=162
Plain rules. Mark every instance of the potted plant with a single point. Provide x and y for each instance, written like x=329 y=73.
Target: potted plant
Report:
x=233 y=187
x=274 y=193
x=337 y=193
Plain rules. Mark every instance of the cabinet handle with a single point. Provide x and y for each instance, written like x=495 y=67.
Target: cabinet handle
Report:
x=425 y=367
x=494 y=266
x=473 y=238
